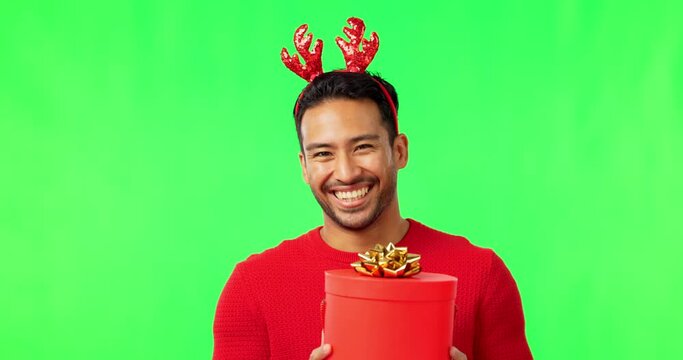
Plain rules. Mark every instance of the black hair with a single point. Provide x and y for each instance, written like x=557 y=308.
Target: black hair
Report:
x=348 y=85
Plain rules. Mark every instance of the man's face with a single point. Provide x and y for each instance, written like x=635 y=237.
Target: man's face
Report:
x=348 y=160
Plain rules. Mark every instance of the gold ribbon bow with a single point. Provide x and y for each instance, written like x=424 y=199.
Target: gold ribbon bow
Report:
x=389 y=262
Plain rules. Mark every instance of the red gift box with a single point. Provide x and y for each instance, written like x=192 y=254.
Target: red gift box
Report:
x=389 y=318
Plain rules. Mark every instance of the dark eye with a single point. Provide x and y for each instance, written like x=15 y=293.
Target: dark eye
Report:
x=322 y=154
x=363 y=146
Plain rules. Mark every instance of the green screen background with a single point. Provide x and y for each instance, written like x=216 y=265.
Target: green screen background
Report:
x=148 y=146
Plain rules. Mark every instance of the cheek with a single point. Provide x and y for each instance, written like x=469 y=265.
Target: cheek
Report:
x=378 y=163
x=317 y=172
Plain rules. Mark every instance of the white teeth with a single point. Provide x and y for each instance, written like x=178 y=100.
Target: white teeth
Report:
x=351 y=195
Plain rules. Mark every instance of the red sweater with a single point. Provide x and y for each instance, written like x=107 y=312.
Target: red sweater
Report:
x=270 y=307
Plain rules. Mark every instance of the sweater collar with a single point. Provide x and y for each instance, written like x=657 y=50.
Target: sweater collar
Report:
x=322 y=249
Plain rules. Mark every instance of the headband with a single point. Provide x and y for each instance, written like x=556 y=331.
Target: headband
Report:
x=357 y=58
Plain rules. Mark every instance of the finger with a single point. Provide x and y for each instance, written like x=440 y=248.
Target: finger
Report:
x=321 y=352
x=457 y=355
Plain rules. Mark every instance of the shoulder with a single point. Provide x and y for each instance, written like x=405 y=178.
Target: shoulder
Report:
x=277 y=255
x=442 y=241
x=454 y=253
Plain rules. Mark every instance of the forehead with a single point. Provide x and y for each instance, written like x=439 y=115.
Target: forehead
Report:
x=337 y=120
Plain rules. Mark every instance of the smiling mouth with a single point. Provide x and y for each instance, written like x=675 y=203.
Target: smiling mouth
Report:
x=352 y=195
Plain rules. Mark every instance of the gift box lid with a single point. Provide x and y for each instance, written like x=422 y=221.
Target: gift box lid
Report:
x=421 y=287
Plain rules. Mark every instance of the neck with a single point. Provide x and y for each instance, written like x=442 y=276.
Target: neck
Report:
x=388 y=227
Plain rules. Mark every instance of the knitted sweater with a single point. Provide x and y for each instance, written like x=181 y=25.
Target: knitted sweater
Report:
x=270 y=306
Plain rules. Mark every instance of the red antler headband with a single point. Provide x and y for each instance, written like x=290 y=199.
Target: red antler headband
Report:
x=357 y=58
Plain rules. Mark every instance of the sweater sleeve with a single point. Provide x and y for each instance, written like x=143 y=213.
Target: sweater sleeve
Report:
x=239 y=329
x=500 y=319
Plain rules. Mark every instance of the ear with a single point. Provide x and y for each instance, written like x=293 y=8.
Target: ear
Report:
x=400 y=151
x=302 y=161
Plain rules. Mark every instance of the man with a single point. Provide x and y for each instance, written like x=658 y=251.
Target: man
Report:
x=350 y=157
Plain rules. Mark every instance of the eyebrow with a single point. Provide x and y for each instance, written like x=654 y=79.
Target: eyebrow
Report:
x=355 y=139
x=365 y=137
x=312 y=146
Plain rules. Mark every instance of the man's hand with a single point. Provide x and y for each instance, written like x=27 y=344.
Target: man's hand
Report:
x=324 y=351
x=457 y=355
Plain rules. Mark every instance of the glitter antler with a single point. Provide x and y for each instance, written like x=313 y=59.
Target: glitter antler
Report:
x=357 y=58
x=313 y=65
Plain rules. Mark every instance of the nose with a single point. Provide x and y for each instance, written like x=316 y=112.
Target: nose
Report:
x=346 y=170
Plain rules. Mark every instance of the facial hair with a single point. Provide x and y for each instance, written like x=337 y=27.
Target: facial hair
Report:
x=385 y=197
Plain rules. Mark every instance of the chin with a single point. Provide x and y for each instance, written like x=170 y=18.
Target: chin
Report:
x=354 y=222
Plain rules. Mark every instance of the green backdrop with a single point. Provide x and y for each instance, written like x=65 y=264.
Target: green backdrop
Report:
x=147 y=146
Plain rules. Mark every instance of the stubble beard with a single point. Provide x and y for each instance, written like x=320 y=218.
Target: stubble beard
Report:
x=385 y=197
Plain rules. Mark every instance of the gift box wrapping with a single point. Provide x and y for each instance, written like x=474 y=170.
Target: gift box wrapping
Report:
x=389 y=318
